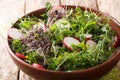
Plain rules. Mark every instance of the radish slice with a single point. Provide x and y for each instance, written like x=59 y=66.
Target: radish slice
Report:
x=21 y=56
x=88 y=36
x=40 y=25
x=68 y=41
x=14 y=33
x=38 y=66
x=91 y=44
x=57 y=12
x=116 y=43
x=57 y=9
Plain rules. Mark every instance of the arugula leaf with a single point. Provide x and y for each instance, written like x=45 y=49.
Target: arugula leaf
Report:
x=17 y=45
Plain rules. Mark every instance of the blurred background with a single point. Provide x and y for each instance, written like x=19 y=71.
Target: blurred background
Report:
x=11 y=10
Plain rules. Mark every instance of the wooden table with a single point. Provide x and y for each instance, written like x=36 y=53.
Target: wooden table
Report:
x=11 y=10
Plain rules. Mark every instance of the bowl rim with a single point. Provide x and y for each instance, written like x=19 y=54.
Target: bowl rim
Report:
x=115 y=54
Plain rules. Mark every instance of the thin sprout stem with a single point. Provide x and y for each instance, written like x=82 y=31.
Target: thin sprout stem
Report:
x=61 y=64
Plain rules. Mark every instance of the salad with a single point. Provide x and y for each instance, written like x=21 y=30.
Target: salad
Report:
x=63 y=39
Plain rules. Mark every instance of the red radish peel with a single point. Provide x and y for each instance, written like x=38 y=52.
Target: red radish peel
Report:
x=21 y=56
x=68 y=41
x=38 y=66
x=116 y=43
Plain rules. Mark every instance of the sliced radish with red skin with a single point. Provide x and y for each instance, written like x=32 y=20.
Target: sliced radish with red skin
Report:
x=56 y=8
x=57 y=11
x=116 y=43
x=21 y=56
x=38 y=66
x=88 y=37
x=68 y=41
x=14 y=33
x=91 y=44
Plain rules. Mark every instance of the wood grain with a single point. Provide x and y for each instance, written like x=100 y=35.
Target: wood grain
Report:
x=86 y=3
x=23 y=76
x=8 y=70
x=32 y=5
x=111 y=7
x=10 y=11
